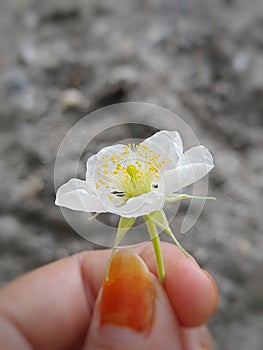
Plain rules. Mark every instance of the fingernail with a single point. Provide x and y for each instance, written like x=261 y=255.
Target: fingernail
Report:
x=215 y=289
x=204 y=339
x=128 y=294
x=198 y=339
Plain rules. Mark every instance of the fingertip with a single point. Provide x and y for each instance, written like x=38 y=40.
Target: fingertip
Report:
x=192 y=291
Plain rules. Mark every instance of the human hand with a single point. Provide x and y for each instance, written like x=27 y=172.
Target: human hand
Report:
x=62 y=305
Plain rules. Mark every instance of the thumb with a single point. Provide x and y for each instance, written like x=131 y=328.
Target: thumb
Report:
x=132 y=310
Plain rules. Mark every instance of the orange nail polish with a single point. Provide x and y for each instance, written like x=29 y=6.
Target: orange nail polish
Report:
x=128 y=294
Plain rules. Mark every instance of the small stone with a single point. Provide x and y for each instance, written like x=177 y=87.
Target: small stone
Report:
x=28 y=53
x=255 y=80
x=35 y=185
x=71 y=98
x=241 y=62
x=125 y=74
x=244 y=247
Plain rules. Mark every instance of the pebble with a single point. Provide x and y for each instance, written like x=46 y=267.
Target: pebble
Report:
x=71 y=98
x=241 y=62
x=244 y=247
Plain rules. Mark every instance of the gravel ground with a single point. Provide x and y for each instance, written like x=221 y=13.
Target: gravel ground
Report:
x=203 y=60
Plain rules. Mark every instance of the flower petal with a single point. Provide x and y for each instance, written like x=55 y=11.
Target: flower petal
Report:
x=96 y=160
x=169 y=145
x=136 y=206
x=78 y=195
x=192 y=166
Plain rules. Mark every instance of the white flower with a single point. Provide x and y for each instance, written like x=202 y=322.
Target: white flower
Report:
x=135 y=180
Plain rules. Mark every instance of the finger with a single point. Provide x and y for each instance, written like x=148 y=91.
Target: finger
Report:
x=49 y=308
x=191 y=290
x=132 y=310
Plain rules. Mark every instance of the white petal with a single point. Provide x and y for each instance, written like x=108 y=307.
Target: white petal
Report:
x=78 y=195
x=169 y=145
x=95 y=161
x=167 y=139
x=137 y=206
x=192 y=166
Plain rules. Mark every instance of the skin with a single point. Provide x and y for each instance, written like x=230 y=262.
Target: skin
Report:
x=58 y=306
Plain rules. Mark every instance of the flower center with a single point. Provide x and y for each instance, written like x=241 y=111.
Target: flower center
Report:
x=131 y=172
x=137 y=182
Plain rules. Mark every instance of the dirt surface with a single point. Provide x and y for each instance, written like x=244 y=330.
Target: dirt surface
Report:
x=200 y=59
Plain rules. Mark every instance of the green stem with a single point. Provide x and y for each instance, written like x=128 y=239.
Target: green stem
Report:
x=93 y=216
x=156 y=245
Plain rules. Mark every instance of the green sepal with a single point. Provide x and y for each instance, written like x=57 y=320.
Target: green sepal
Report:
x=178 y=197
x=160 y=220
x=123 y=226
x=92 y=217
x=156 y=245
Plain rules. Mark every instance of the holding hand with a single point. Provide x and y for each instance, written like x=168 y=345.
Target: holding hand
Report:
x=62 y=305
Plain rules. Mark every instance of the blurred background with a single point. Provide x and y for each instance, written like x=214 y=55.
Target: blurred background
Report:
x=201 y=59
